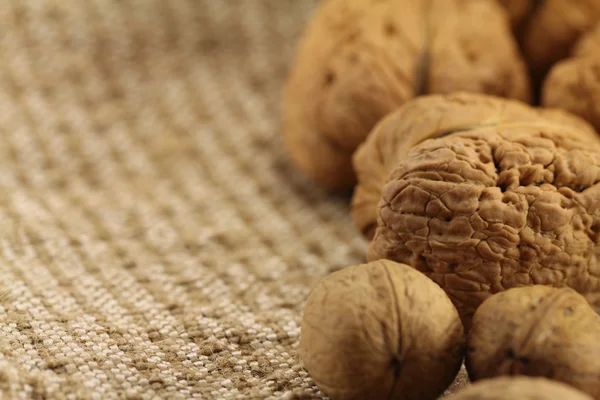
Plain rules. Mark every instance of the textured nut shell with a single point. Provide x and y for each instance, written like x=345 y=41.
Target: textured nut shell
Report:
x=519 y=388
x=554 y=28
x=381 y=331
x=574 y=84
x=358 y=60
x=502 y=195
x=537 y=331
x=429 y=117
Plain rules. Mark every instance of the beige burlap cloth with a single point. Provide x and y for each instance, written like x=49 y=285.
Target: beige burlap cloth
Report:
x=154 y=240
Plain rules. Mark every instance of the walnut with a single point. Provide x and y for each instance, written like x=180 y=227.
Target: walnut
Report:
x=553 y=28
x=482 y=194
x=519 y=388
x=518 y=11
x=358 y=60
x=537 y=331
x=381 y=331
x=589 y=44
x=574 y=84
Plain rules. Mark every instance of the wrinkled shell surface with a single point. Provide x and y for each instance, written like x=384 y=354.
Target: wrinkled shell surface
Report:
x=360 y=59
x=537 y=331
x=574 y=84
x=381 y=331
x=519 y=388
x=553 y=29
x=483 y=194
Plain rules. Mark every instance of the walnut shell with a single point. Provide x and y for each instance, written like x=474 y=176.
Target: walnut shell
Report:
x=537 y=331
x=589 y=44
x=482 y=194
x=518 y=11
x=381 y=331
x=553 y=29
x=358 y=60
x=519 y=388
x=574 y=84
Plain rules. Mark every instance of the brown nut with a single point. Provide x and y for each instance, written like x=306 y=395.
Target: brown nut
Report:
x=518 y=11
x=482 y=194
x=589 y=44
x=553 y=29
x=358 y=60
x=574 y=84
x=537 y=331
x=381 y=331
x=519 y=388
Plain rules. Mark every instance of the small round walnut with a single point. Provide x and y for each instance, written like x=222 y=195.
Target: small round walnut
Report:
x=482 y=194
x=519 y=388
x=574 y=84
x=358 y=60
x=381 y=331
x=537 y=331
x=553 y=28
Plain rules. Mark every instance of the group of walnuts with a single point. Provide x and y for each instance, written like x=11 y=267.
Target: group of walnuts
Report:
x=383 y=330
x=468 y=131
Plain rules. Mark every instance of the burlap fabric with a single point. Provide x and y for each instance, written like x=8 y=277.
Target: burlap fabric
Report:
x=155 y=242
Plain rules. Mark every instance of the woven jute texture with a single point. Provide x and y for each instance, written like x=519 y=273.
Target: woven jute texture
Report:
x=155 y=241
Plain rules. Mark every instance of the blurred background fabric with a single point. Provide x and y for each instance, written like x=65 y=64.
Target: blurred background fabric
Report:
x=155 y=242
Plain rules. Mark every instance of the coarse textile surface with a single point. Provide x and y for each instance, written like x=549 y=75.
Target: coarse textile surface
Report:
x=155 y=241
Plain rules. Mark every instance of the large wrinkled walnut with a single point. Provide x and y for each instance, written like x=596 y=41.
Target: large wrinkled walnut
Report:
x=574 y=84
x=483 y=194
x=360 y=59
x=519 y=388
x=552 y=29
x=537 y=331
x=381 y=331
